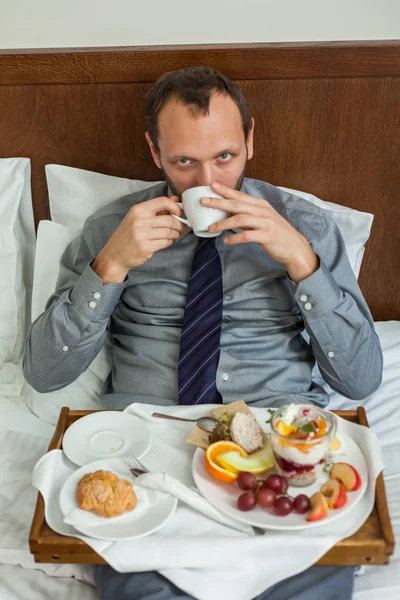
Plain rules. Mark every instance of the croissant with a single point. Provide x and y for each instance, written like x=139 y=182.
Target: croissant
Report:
x=105 y=493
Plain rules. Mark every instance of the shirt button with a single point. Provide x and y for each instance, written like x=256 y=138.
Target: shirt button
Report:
x=65 y=348
x=331 y=354
x=225 y=376
x=96 y=295
x=303 y=298
x=92 y=304
x=308 y=306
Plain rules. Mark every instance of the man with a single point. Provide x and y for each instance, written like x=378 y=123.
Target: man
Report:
x=279 y=266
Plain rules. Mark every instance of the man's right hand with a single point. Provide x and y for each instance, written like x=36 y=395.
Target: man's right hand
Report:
x=147 y=228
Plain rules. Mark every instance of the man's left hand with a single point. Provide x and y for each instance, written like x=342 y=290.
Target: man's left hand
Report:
x=262 y=224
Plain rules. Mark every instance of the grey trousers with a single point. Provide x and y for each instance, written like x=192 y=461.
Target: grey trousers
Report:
x=316 y=583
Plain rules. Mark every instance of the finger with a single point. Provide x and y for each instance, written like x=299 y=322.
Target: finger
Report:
x=236 y=206
x=242 y=221
x=173 y=206
x=230 y=193
x=165 y=221
x=152 y=207
x=243 y=237
x=165 y=233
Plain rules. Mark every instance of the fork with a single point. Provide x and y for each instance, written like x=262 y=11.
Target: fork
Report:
x=134 y=470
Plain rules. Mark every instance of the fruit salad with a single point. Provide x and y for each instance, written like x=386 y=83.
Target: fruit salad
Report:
x=301 y=436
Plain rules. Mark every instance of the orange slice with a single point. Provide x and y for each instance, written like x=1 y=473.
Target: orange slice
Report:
x=284 y=429
x=213 y=468
x=321 y=427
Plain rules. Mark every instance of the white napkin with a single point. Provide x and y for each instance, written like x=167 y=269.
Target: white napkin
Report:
x=204 y=558
x=191 y=497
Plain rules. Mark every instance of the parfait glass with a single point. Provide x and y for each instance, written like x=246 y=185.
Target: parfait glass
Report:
x=301 y=460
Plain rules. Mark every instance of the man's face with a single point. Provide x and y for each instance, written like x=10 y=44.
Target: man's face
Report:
x=199 y=149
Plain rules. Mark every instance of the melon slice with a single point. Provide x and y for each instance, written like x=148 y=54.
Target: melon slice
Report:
x=256 y=463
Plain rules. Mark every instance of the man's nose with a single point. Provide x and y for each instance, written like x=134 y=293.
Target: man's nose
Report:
x=205 y=176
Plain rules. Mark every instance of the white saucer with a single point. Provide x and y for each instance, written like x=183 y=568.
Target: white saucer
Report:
x=106 y=434
x=152 y=510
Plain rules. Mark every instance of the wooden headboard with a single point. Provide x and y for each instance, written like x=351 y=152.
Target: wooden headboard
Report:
x=327 y=122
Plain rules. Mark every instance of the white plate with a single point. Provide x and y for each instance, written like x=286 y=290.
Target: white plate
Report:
x=224 y=495
x=152 y=510
x=106 y=434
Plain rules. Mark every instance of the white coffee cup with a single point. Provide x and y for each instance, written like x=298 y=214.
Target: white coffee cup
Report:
x=200 y=217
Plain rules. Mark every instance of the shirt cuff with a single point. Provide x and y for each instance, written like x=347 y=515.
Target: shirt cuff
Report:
x=318 y=294
x=92 y=299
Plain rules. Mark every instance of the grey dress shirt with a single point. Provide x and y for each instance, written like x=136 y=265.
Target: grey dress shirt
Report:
x=264 y=359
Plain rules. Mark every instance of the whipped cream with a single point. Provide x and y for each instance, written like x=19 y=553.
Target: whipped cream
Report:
x=299 y=414
x=315 y=453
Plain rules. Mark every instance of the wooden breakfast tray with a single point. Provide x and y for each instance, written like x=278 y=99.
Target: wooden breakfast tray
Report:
x=373 y=543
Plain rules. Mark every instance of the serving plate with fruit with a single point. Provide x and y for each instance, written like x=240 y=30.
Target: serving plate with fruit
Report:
x=294 y=472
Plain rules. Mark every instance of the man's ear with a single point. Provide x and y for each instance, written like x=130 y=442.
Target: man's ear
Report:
x=249 y=141
x=153 y=150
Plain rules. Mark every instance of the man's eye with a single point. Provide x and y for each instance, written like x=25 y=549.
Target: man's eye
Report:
x=225 y=156
x=183 y=161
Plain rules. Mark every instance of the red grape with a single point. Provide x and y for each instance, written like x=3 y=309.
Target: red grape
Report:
x=247 y=481
x=283 y=506
x=275 y=482
x=284 y=484
x=266 y=497
x=260 y=485
x=246 y=501
x=301 y=504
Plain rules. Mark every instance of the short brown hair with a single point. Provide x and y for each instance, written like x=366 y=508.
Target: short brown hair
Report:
x=192 y=86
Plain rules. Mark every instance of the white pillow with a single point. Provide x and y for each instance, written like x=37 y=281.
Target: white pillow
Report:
x=355 y=226
x=75 y=194
x=52 y=239
x=17 y=250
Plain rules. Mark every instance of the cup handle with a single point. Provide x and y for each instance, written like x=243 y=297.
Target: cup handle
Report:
x=185 y=221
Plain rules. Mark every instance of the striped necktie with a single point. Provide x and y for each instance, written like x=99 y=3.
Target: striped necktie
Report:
x=201 y=331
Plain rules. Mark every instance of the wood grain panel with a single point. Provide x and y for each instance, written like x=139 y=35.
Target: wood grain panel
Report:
x=339 y=139
x=237 y=61
x=99 y=128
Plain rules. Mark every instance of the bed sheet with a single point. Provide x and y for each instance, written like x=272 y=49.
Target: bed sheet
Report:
x=383 y=581
x=24 y=438
x=17 y=583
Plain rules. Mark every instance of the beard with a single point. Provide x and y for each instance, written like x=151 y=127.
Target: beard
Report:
x=170 y=183
x=175 y=191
